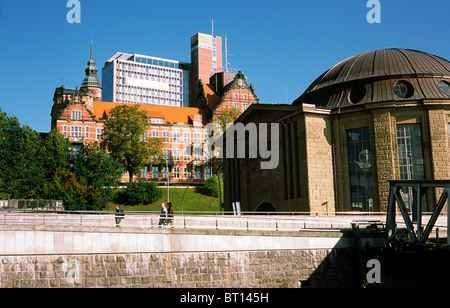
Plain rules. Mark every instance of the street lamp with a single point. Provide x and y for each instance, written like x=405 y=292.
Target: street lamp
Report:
x=167 y=170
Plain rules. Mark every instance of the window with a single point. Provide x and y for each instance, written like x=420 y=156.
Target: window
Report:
x=197 y=138
x=155 y=134
x=144 y=172
x=187 y=153
x=360 y=169
x=157 y=121
x=65 y=131
x=86 y=132
x=187 y=138
x=166 y=137
x=198 y=153
x=166 y=153
x=357 y=93
x=155 y=172
x=410 y=157
x=99 y=133
x=187 y=173
x=404 y=89
x=176 y=172
x=75 y=149
x=165 y=174
x=444 y=86
x=145 y=136
x=176 y=137
x=207 y=173
x=198 y=173
x=76 y=115
x=176 y=154
x=75 y=131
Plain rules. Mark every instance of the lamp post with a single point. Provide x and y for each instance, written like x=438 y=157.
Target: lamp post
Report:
x=167 y=170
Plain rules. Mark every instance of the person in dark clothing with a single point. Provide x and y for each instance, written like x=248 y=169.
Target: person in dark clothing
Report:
x=170 y=214
x=119 y=215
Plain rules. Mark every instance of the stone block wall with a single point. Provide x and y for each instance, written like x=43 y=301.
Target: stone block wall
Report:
x=319 y=159
x=246 y=269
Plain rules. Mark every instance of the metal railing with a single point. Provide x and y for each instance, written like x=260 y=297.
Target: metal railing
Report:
x=40 y=204
x=293 y=221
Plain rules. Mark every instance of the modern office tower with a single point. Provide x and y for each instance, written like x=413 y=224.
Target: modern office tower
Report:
x=206 y=60
x=146 y=80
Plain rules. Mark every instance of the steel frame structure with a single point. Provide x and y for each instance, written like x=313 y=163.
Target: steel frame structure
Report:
x=417 y=236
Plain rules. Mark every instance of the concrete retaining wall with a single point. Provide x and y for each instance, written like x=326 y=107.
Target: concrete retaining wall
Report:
x=31 y=240
x=56 y=256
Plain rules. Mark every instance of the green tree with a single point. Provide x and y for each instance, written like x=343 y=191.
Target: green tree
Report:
x=55 y=153
x=227 y=117
x=100 y=172
x=21 y=167
x=67 y=187
x=125 y=138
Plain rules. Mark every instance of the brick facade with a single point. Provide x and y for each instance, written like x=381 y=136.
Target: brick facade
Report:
x=80 y=115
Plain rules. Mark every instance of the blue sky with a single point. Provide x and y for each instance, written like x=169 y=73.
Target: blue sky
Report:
x=281 y=46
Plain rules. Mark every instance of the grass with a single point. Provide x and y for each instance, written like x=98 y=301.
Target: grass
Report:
x=193 y=201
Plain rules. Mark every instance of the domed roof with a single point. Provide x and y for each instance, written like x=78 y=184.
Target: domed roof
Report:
x=371 y=70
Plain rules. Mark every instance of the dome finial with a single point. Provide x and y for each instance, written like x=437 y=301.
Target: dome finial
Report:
x=92 y=43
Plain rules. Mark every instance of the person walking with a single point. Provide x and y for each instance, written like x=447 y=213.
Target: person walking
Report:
x=170 y=214
x=162 y=216
x=119 y=215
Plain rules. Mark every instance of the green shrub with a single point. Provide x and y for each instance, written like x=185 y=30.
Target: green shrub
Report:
x=140 y=193
x=211 y=187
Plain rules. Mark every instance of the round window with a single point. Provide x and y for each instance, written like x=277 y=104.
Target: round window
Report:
x=445 y=87
x=404 y=89
x=357 y=93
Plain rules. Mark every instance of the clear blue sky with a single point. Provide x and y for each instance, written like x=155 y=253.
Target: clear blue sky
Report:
x=281 y=46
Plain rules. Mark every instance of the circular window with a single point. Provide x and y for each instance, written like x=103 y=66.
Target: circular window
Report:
x=445 y=87
x=357 y=94
x=404 y=89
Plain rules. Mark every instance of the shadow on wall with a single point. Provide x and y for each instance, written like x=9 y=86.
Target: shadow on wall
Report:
x=409 y=267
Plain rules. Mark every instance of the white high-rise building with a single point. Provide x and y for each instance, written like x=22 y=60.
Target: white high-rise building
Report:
x=146 y=80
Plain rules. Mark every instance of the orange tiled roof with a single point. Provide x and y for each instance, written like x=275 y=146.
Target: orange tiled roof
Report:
x=170 y=114
x=212 y=98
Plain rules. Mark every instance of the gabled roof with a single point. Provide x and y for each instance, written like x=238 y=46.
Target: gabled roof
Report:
x=211 y=97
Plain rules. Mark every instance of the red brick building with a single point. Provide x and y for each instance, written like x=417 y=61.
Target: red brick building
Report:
x=80 y=115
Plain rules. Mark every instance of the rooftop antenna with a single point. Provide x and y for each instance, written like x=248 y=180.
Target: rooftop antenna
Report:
x=226 y=54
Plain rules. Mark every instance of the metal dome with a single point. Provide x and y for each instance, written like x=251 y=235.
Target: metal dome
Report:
x=378 y=76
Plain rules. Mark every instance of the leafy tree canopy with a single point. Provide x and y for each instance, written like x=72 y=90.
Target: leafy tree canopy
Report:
x=126 y=140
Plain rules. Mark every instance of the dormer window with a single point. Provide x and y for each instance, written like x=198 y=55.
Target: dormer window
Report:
x=76 y=115
x=157 y=121
x=197 y=123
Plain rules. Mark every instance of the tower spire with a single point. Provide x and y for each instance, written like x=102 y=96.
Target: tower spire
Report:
x=92 y=43
x=91 y=80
